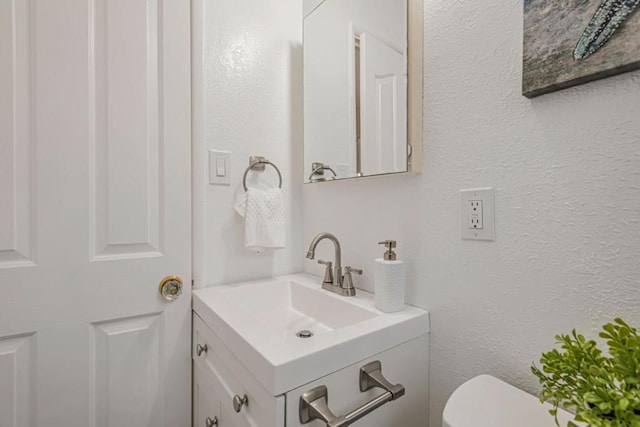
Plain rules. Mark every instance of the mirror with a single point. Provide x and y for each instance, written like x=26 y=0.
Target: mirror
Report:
x=362 y=88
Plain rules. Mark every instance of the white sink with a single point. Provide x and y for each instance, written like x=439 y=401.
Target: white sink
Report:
x=258 y=321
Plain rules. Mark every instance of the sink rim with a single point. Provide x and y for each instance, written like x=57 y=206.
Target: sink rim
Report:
x=283 y=367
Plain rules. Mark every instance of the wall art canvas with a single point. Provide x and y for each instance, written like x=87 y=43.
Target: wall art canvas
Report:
x=570 y=42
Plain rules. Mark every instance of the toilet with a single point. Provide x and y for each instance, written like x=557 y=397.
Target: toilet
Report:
x=486 y=401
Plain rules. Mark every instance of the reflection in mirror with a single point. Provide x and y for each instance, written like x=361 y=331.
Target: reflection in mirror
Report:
x=355 y=88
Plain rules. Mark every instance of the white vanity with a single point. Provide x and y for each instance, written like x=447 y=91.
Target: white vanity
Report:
x=251 y=368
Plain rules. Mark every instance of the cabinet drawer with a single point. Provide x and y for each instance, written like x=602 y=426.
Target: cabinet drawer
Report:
x=206 y=401
x=229 y=378
x=406 y=364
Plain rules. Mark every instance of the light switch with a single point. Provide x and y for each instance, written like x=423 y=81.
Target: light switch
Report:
x=219 y=167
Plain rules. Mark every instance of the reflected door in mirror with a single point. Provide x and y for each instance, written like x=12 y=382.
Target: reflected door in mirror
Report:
x=355 y=87
x=383 y=107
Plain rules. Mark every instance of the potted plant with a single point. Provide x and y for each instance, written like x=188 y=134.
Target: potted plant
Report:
x=602 y=389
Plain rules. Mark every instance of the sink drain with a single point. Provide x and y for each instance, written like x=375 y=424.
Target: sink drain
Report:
x=304 y=334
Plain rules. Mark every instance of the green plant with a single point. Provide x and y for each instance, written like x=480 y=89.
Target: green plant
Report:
x=604 y=390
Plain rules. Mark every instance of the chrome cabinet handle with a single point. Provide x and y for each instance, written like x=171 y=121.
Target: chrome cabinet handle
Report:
x=314 y=404
x=211 y=422
x=201 y=349
x=239 y=402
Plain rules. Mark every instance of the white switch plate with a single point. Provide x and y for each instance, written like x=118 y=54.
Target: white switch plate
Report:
x=477 y=219
x=219 y=167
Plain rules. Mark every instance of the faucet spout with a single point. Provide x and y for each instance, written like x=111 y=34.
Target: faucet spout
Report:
x=311 y=253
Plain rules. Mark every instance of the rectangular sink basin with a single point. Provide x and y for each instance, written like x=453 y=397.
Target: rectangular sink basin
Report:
x=260 y=320
x=286 y=307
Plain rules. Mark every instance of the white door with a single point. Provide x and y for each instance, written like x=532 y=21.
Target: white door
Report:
x=383 y=103
x=94 y=212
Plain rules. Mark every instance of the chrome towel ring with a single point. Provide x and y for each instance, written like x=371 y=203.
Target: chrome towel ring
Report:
x=258 y=164
x=317 y=171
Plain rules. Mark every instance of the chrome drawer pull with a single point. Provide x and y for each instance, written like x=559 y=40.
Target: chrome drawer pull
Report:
x=239 y=402
x=201 y=349
x=314 y=404
x=212 y=422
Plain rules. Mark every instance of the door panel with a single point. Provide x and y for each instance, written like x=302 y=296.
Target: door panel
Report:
x=15 y=134
x=383 y=83
x=126 y=135
x=17 y=369
x=126 y=356
x=95 y=211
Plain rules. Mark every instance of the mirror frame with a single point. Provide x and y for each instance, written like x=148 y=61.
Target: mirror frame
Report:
x=415 y=40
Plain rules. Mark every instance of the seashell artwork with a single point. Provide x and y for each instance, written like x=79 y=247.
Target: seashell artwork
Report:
x=576 y=41
x=610 y=15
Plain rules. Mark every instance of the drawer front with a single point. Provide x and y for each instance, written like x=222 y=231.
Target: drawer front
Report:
x=406 y=364
x=220 y=367
x=213 y=386
x=206 y=400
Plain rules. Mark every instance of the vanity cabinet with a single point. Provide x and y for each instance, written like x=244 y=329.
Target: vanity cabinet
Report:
x=219 y=377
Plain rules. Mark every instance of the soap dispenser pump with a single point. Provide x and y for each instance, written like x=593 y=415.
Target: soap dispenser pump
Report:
x=389 y=254
x=389 y=280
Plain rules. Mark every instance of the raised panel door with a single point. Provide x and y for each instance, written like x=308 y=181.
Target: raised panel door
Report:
x=94 y=212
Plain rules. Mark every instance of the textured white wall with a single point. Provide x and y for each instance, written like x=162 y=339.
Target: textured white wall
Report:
x=566 y=169
x=247 y=91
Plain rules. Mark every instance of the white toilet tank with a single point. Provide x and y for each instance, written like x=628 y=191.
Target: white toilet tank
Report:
x=486 y=401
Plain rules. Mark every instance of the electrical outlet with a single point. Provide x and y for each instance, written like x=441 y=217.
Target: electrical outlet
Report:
x=477 y=214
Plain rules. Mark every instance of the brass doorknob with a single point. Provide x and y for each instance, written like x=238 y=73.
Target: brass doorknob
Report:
x=171 y=287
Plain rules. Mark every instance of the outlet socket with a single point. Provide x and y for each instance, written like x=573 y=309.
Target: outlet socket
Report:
x=477 y=214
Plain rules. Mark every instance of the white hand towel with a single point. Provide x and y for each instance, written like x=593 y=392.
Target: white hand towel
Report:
x=263 y=213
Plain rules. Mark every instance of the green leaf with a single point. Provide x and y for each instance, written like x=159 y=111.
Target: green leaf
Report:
x=623 y=403
x=621 y=322
x=581 y=374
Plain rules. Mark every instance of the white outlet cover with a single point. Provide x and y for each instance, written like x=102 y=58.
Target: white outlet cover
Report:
x=486 y=196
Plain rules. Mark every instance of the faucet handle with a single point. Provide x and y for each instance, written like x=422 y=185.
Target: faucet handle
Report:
x=349 y=270
x=328 y=273
x=347 y=280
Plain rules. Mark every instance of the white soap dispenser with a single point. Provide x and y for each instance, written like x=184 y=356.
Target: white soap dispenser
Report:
x=389 y=280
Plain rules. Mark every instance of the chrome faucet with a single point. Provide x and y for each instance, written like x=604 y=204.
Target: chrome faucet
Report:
x=334 y=281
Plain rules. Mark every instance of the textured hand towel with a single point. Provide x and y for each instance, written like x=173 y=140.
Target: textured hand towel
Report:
x=263 y=213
